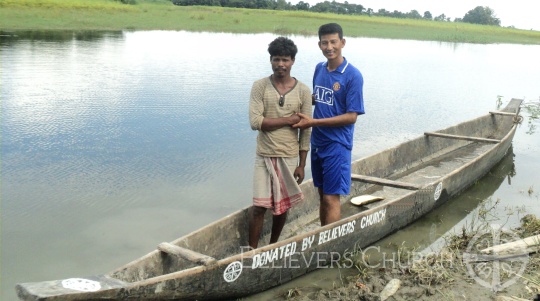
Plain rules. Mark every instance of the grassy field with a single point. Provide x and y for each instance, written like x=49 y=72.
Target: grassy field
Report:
x=163 y=15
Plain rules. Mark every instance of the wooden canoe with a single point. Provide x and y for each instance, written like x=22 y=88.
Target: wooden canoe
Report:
x=213 y=262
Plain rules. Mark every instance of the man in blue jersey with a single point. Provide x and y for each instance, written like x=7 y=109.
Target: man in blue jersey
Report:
x=338 y=100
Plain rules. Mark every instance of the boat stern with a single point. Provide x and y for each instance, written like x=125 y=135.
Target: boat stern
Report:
x=94 y=287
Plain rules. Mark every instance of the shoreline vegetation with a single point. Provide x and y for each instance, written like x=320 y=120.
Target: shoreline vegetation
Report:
x=108 y=15
x=478 y=262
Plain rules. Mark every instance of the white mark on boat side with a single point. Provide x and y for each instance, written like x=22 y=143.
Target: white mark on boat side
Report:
x=159 y=288
x=80 y=284
x=373 y=218
x=438 y=191
x=273 y=255
x=336 y=232
x=307 y=242
x=285 y=251
x=233 y=271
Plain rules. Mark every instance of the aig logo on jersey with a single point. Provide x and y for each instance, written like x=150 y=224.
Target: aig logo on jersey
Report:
x=325 y=95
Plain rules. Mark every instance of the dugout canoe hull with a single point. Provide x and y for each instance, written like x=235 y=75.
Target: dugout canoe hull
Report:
x=213 y=263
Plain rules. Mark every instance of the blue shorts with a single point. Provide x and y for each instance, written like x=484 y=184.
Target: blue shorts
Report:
x=331 y=168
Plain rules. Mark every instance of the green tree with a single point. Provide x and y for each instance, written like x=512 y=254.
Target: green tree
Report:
x=414 y=14
x=353 y=9
x=302 y=5
x=383 y=12
x=427 y=15
x=321 y=7
x=482 y=15
x=264 y=4
x=397 y=14
x=442 y=17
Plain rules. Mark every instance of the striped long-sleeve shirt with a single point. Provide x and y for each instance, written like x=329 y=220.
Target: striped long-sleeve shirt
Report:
x=264 y=102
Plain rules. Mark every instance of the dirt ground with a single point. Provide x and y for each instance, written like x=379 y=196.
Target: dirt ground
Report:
x=451 y=274
x=456 y=285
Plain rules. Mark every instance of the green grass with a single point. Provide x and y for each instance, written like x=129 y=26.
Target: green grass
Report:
x=66 y=4
x=163 y=15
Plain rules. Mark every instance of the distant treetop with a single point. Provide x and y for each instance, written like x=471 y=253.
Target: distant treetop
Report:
x=479 y=15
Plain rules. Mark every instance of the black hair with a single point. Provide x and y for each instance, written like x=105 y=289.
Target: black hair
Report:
x=282 y=46
x=330 y=28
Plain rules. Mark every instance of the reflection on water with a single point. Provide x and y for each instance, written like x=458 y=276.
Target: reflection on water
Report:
x=113 y=142
x=12 y=37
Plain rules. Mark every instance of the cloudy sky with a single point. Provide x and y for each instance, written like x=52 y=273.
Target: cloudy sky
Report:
x=523 y=14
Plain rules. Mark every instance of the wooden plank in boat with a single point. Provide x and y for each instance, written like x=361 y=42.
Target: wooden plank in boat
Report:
x=526 y=245
x=187 y=254
x=384 y=182
x=502 y=113
x=468 y=138
x=365 y=199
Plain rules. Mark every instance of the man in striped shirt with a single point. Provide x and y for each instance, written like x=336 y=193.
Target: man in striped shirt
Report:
x=281 y=149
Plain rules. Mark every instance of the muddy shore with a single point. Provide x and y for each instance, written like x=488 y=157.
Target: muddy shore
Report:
x=453 y=273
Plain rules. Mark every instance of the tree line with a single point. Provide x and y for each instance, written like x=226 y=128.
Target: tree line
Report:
x=479 y=15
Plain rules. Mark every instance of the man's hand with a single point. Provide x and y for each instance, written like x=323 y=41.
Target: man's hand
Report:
x=293 y=119
x=299 y=174
x=304 y=123
x=272 y=124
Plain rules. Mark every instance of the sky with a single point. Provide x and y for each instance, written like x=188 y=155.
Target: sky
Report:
x=523 y=14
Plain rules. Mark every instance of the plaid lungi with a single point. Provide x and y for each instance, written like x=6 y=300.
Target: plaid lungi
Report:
x=274 y=185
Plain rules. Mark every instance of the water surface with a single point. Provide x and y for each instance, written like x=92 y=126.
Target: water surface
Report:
x=114 y=142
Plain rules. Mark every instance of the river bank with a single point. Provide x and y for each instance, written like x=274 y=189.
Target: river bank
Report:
x=453 y=273
x=163 y=15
